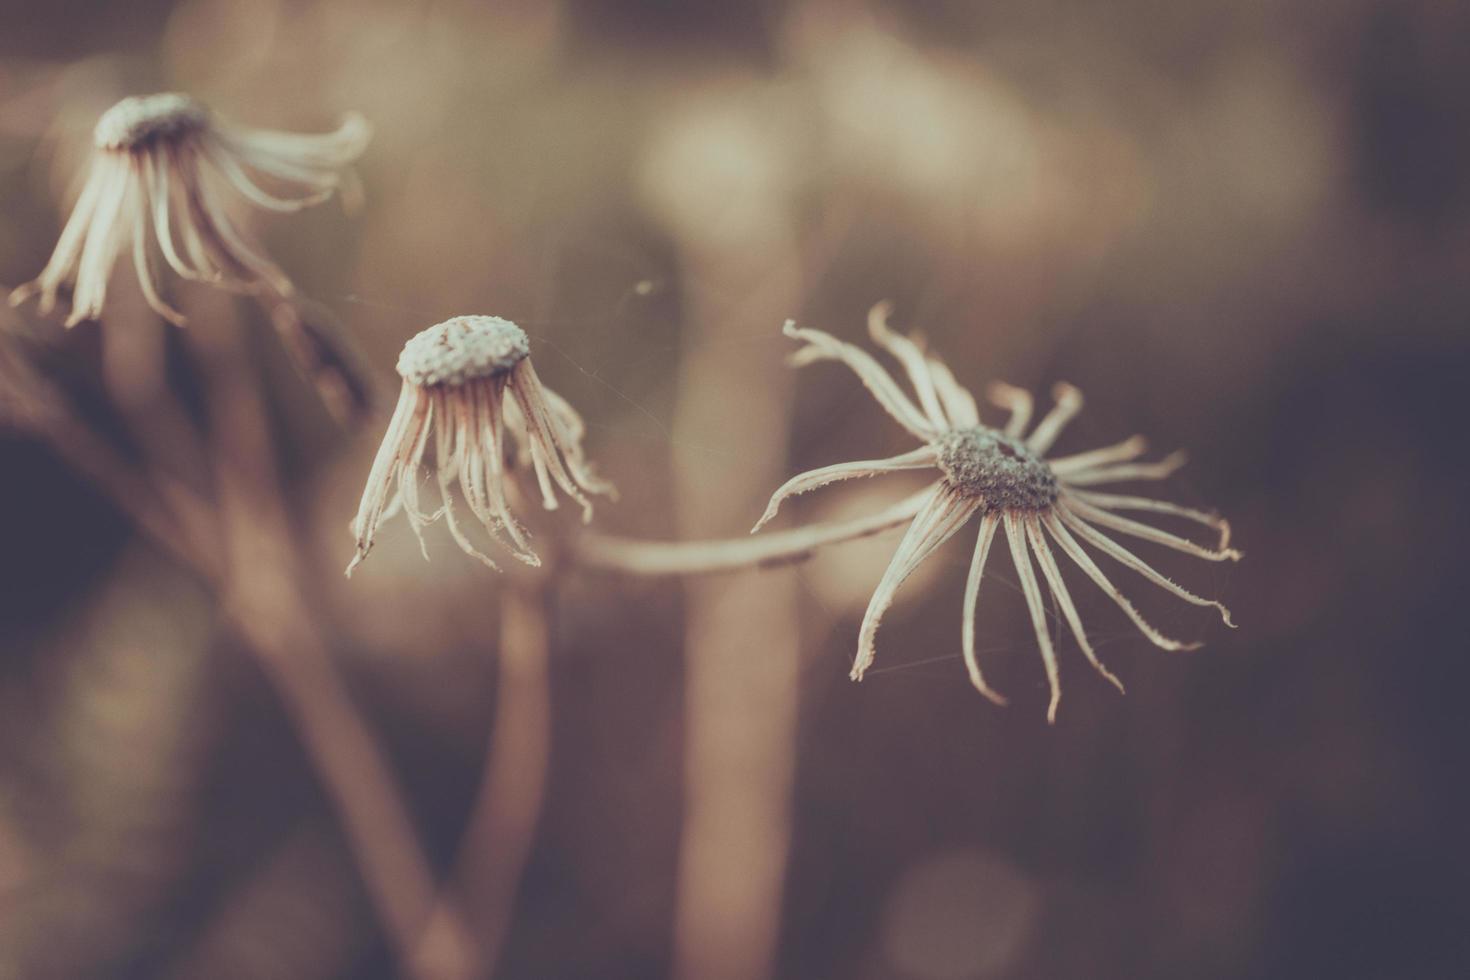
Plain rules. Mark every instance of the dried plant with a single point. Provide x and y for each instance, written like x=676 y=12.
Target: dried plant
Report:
x=1004 y=477
x=455 y=378
x=163 y=176
x=156 y=169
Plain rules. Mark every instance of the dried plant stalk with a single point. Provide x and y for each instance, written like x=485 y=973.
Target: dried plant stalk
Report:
x=634 y=556
x=502 y=824
x=265 y=599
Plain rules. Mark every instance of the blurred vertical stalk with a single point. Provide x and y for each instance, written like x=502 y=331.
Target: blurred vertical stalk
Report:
x=267 y=601
x=720 y=176
x=502 y=823
x=741 y=655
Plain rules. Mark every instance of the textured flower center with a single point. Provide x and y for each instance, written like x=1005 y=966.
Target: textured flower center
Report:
x=1000 y=470
x=139 y=120
x=462 y=348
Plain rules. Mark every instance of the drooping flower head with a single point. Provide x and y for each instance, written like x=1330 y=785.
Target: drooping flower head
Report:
x=158 y=169
x=467 y=382
x=1005 y=478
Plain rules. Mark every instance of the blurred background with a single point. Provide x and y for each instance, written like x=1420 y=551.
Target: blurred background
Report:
x=1242 y=229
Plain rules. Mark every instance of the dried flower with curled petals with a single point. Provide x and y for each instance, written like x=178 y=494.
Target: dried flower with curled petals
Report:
x=456 y=376
x=1004 y=477
x=158 y=167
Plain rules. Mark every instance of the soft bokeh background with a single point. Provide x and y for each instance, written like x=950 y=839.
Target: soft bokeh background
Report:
x=1241 y=228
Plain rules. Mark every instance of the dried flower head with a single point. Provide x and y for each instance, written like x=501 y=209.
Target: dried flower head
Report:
x=1004 y=477
x=157 y=167
x=455 y=378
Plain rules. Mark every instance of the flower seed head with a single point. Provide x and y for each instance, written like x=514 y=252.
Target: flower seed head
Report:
x=141 y=119
x=463 y=348
x=1001 y=471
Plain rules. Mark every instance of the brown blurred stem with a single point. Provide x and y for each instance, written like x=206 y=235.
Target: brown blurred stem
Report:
x=266 y=599
x=502 y=823
x=30 y=403
x=318 y=347
x=243 y=547
x=632 y=556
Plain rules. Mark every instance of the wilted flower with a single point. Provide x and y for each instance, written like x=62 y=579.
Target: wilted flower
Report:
x=155 y=172
x=455 y=378
x=1006 y=479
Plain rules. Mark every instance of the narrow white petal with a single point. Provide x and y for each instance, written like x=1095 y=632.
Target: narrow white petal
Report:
x=1068 y=404
x=959 y=404
x=161 y=193
x=1126 y=557
x=412 y=404
x=1129 y=449
x=880 y=384
x=988 y=524
x=545 y=435
x=246 y=185
x=943 y=513
x=1115 y=501
x=914 y=363
x=1064 y=598
x=1161 y=470
x=143 y=264
x=921 y=458
x=1015 y=400
x=69 y=245
x=240 y=250
x=106 y=239
x=449 y=448
x=1016 y=537
x=305 y=152
x=1084 y=561
x=1138 y=529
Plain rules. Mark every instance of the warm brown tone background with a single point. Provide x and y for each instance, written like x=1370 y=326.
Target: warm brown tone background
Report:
x=1241 y=228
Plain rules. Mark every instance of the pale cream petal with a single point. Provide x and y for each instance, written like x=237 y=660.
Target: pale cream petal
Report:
x=69 y=245
x=143 y=264
x=1115 y=501
x=545 y=436
x=451 y=459
x=161 y=192
x=959 y=404
x=412 y=405
x=570 y=430
x=880 y=384
x=1059 y=592
x=943 y=513
x=1016 y=537
x=1138 y=529
x=914 y=364
x=408 y=475
x=1126 y=557
x=266 y=271
x=1068 y=404
x=988 y=524
x=921 y=458
x=106 y=239
x=227 y=165
x=1161 y=470
x=1084 y=561
x=1121 y=452
x=493 y=434
x=203 y=243
x=298 y=153
x=1015 y=400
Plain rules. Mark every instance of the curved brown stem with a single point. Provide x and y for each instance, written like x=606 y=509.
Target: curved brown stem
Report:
x=631 y=556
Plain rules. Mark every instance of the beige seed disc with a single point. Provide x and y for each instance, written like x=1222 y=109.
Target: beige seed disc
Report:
x=462 y=348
